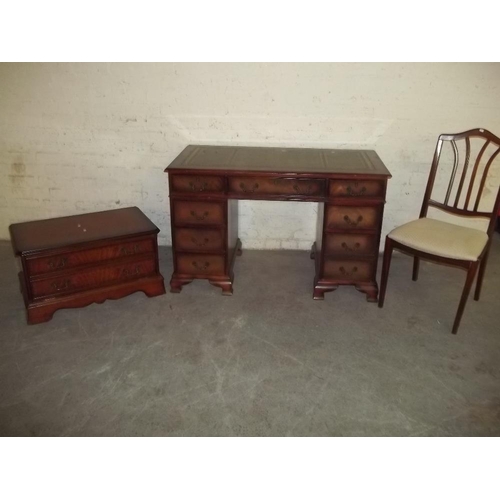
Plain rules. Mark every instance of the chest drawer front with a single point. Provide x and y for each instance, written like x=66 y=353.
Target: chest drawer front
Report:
x=276 y=186
x=200 y=265
x=349 y=270
x=206 y=240
x=356 y=188
x=197 y=184
x=198 y=213
x=93 y=278
x=60 y=262
x=351 y=244
x=351 y=218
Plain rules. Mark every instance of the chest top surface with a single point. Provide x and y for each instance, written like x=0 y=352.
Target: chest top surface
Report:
x=85 y=228
x=281 y=160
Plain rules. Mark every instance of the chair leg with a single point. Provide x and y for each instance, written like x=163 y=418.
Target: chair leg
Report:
x=471 y=273
x=480 y=276
x=416 y=268
x=385 y=270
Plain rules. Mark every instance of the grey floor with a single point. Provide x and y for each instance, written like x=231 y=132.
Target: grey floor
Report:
x=267 y=361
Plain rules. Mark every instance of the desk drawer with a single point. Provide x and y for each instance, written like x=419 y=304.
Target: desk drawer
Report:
x=196 y=184
x=42 y=265
x=346 y=217
x=200 y=265
x=349 y=270
x=206 y=240
x=93 y=278
x=276 y=186
x=198 y=213
x=351 y=244
x=356 y=188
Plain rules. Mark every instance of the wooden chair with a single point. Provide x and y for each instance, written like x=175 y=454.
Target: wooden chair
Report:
x=444 y=242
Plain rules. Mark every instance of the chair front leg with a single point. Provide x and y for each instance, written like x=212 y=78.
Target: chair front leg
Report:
x=385 y=270
x=471 y=273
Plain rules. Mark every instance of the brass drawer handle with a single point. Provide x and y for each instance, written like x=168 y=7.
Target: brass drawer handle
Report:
x=343 y=271
x=303 y=188
x=199 y=217
x=300 y=187
x=130 y=251
x=345 y=246
x=60 y=285
x=127 y=272
x=57 y=263
x=201 y=267
x=246 y=189
x=198 y=243
x=351 y=192
x=351 y=222
x=198 y=185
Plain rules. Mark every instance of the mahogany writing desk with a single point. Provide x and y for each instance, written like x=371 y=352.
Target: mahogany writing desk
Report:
x=206 y=183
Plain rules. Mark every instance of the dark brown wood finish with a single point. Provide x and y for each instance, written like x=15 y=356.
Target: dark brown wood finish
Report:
x=206 y=182
x=74 y=261
x=463 y=202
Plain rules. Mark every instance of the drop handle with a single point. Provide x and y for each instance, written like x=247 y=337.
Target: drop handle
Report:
x=352 y=192
x=198 y=185
x=200 y=267
x=131 y=272
x=60 y=285
x=344 y=272
x=246 y=189
x=345 y=246
x=129 y=250
x=198 y=216
x=351 y=222
x=198 y=243
x=57 y=263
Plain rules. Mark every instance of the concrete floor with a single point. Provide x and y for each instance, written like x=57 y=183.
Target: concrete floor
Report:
x=268 y=361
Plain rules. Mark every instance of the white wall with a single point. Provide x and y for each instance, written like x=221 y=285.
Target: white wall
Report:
x=85 y=137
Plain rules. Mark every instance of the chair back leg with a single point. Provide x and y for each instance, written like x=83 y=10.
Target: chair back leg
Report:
x=416 y=268
x=480 y=276
x=385 y=270
x=471 y=273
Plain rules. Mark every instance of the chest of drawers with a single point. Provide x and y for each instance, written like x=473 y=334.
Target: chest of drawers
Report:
x=74 y=261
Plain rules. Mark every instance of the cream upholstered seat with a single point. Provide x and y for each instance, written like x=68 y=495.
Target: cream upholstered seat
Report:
x=441 y=238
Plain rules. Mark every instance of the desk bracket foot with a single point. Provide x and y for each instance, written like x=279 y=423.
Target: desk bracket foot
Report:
x=312 y=255
x=320 y=290
x=177 y=284
x=227 y=286
x=371 y=291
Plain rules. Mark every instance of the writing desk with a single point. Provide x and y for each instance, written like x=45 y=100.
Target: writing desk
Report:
x=206 y=183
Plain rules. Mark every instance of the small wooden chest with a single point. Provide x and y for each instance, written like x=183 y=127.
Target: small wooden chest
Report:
x=77 y=260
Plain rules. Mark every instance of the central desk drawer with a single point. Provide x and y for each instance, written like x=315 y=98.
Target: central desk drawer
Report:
x=276 y=186
x=198 y=213
x=346 y=217
x=200 y=265
x=209 y=240
x=93 y=278
x=42 y=265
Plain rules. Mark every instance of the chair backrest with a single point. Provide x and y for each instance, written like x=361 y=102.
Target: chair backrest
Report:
x=466 y=186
